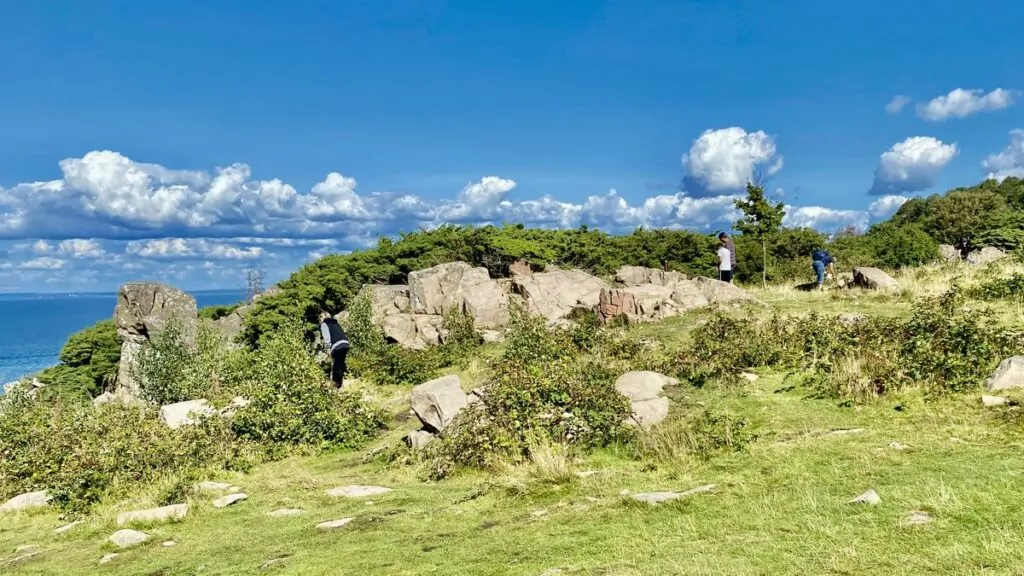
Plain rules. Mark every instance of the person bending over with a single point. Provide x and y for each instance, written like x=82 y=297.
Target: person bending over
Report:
x=822 y=262
x=337 y=345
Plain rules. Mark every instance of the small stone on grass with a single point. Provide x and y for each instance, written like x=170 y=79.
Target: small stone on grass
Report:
x=109 y=558
x=332 y=524
x=169 y=544
x=127 y=538
x=357 y=491
x=655 y=498
x=68 y=527
x=213 y=486
x=230 y=500
x=993 y=401
x=870 y=497
x=898 y=446
x=918 y=517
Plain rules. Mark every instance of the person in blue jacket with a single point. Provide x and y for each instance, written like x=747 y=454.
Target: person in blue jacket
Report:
x=822 y=261
x=337 y=345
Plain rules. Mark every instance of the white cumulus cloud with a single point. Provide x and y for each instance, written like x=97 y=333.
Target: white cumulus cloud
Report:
x=886 y=206
x=1008 y=162
x=896 y=105
x=912 y=165
x=724 y=160
x=960 y=103
x=192 y=248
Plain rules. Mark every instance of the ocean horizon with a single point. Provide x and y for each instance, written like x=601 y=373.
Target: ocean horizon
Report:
x=37 y=324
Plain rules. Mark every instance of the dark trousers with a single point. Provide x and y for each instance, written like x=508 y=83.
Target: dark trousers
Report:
x=725 y=275
x=338 y=365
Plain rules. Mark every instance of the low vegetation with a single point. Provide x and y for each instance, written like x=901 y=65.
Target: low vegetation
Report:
x=538 y=473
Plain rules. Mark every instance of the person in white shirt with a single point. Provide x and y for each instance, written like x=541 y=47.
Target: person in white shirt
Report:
x=724 y=263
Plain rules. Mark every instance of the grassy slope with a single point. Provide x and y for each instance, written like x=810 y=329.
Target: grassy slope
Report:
x=780 y=508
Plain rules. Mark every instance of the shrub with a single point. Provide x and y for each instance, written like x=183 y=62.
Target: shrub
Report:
x=217 y=312
x=79 y=453
x=701 y=435
x=88 y=362
x=541 y=390
x=176 y=366
x=291 y=402
x=1004 y=288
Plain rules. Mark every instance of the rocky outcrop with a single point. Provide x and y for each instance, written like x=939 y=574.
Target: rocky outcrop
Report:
x=145 y=309
x=153 y=515
x=385 y=300
x=459 y=286
x=414 y=331
x=718 y=292
x=557 y=293
x=639 y=275
x=650 y=302
x=643 y=388
x=437 y=402
x=1009 y=375
x=873 y=279
x=26 y=501
x=183 y=413
x=230 y=326
x=986 y=255
x=949 y=253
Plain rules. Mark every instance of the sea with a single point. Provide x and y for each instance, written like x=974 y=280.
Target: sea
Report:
x=34 y=327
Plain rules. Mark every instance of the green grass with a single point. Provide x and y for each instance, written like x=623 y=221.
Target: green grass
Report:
x=780 y=507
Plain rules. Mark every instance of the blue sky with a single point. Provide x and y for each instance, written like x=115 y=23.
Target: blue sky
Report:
x=183 y=141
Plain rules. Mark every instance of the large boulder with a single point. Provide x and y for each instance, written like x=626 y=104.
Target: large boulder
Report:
x=1009 y=374
x=557 y=293
x=183 y=413
x=718 y=292
x=145 y=309
x=638 y=275
x=385 y=300
x=986 y=255
x=643 y=303
x=436 y=289
x=643 y=388
x=437 y=402
x=949 y=253
x=230 y=326
x=414 y=331
x=457 y=285
x=26 y=501
x=873 y=279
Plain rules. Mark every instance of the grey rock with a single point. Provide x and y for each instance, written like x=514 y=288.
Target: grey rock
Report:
x=153 y=515
x=1009 y=375
x=873 y=279
x=557 y=293
x=230 y=500
x=184 y=413
x=108 y=558
x=105 y=398
x=870 y=498
x=898 y=446
x=986 y=255
x=718 y=292
x=127 y=538
x=68 y=527
x=357 y=491
x=169 y=544
x=26 y=501
x=437 y=402
x=655 y=498
x=332 y=524
x=638 y=275
x=918 y=517
x=845 y=431
x=647 y=413
x=414 y=331
x=145 y=309
x=949 y=253
x=418 y=439
x=385 y=300
x=993 y=401
x=642 y=385
x=209 y=486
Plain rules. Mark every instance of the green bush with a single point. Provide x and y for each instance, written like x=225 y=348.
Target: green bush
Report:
x=291 y=402
x=79 y=453
x=701 y=434
x=541 y=389
x=176 y=366
x=1002 y=288
x=88 y=362
x=217 y=312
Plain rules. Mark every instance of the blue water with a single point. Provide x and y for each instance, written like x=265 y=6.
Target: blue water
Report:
x=34 y=327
